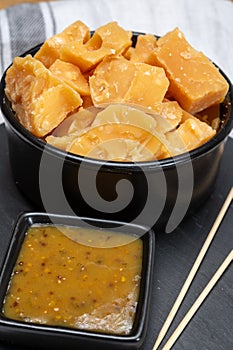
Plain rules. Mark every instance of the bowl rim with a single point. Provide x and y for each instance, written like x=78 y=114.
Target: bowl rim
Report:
x=26 y=220
x=183 y=158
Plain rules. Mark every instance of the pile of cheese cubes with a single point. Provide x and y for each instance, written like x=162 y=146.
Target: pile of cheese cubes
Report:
x=102 y=97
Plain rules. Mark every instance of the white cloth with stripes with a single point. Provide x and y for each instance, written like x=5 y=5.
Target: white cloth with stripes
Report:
x=206 y=24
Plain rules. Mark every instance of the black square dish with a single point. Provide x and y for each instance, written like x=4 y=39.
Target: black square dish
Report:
x=24 y=332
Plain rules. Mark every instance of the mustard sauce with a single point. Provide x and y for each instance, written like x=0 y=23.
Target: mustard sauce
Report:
x=73 y=277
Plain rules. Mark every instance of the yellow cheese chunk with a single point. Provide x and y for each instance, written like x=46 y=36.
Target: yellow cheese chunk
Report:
x=116 y=114
x=148 y=87
x=61 y=142
x=124 y=114
x=119 y=80
x=41 y=100
x=168 y=115
x=111 y=80
x=71 y=127
x=107 y=40
x=156 y=124
x=76 y=123
x=80 y=55
x=113 y=36
x=144 y=47
x=51 y=108
x=192 y=133
x=121 y=150
x=50 y=50
x=167 y=118
x=72 y=75
x=100 y=141
x=194 y=80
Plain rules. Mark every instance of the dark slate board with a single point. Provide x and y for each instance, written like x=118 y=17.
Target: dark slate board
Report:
x=212 y=326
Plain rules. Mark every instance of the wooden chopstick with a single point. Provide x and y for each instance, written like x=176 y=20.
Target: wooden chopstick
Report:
x=175 y=335
x=194 y=270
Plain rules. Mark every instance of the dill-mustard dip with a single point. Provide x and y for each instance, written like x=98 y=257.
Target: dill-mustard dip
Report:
x=74 y=277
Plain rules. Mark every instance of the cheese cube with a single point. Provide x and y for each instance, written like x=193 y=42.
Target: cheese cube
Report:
x=119 y=80
x=107 y=40
x=194 y=80
x=148 y=86
x=41 y=100
x=142 y=51
x=192 y=133
x=72 y=75
x=112 y=142
x=168 y=115
x=51 y=49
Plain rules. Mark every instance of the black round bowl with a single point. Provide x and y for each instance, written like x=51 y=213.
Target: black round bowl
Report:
x=156 y=193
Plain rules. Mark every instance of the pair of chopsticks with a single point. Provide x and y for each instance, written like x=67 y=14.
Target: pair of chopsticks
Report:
x=175 y=335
